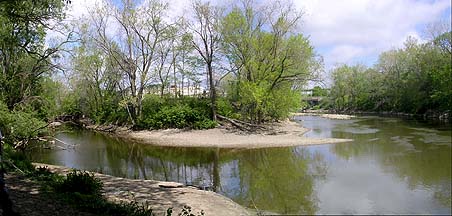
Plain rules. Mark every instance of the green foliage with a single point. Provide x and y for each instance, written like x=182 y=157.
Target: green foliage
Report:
x=18 y=125
x=415 y=79
x=70 y=105
x=25 y=61
x=272 y=62
x=13 y=159
x=95 y=91
x=159 y=113
x=225 y=108
x=352 y=87
x=257 y=103
x=44 y=174
x=318 y=91
x=82 y=190
x=100 y=206
x=80 y=182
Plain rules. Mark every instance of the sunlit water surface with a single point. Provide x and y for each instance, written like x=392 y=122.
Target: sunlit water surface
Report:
x=392 y=166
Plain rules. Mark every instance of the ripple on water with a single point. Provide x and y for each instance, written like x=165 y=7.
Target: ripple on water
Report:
x=433 y=138
x=404 y=142
x=358 y=129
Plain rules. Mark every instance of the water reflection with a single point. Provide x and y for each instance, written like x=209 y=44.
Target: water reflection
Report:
x=392 y=166
x=274 y=180
x=277 y=180
x=401 y=167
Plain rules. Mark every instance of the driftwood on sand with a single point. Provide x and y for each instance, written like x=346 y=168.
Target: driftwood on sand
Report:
x=241 y=125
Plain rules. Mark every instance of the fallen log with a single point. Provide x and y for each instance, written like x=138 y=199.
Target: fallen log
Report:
x=244 y=126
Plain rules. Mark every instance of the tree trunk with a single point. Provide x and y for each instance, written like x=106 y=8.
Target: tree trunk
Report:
x=213 y=94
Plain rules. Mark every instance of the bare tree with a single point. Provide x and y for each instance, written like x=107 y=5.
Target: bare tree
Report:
x=206 y=40
x=141 y=29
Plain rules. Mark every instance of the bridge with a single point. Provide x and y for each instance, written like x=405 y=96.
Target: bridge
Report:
x=313 y=96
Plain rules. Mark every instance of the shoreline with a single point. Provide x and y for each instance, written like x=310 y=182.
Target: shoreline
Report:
x=430 y=115
x=325 y=115
x=161 y=195
x=283 y=134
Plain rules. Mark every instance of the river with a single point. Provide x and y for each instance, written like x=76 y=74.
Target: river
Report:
x=393 y=166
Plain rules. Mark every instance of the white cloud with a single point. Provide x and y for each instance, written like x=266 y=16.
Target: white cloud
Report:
x=74 y=11
x=361 y=29
x=80 y=8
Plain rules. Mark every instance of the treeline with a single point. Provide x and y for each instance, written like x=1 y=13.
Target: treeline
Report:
x=131 y=64
x=414 y=79
x=28 y=94
x=136 y=65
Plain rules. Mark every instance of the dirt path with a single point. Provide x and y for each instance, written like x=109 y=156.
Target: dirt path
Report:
x=161 y=198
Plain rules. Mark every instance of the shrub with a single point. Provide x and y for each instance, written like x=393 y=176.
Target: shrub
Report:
x=45 y=175
x=204 y=124
x=80 y=182
x=16 y=160
x=161 y=113
x=225 y=108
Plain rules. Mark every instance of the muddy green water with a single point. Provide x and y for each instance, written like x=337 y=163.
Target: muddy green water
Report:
x=393 y=166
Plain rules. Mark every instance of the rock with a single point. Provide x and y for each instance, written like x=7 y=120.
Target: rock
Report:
x=55 y=124
x=170 y=185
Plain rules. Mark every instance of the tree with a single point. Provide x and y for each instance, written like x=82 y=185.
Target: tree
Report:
x=138 y=50
x=413 y=79
x=206 y=40
x=26 y=65
x=24 y=60
x=318 y=91
x=352 y=87
x=270 y=59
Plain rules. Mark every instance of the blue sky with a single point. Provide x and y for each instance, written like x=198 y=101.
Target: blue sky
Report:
x=347 y=31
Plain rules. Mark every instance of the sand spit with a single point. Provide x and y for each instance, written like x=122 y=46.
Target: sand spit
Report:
x=283 y=134
x=328 y=116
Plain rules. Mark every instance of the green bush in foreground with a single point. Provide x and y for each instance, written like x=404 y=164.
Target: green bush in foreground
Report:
x=83 y=190
x=80 y=182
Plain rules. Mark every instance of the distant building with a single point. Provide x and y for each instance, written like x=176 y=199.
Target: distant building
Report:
x=187 y=90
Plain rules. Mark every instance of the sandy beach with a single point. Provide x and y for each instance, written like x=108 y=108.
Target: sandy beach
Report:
x=284 y=134
x=324 y=115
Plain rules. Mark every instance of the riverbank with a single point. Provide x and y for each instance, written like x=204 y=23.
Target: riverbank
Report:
x=325 y=115
x=429 y=115
x=283 y=134
x=160 y=195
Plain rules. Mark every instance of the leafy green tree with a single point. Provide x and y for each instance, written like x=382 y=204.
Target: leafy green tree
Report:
x=352 y=88
x=412 y=79
x=318 y=91
x=23 y=58
x=268 y=59
x=27 y=93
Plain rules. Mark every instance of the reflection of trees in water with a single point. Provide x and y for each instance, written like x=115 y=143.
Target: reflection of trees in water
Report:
x=185 y=165
x=402 y=150
x=277 y=180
